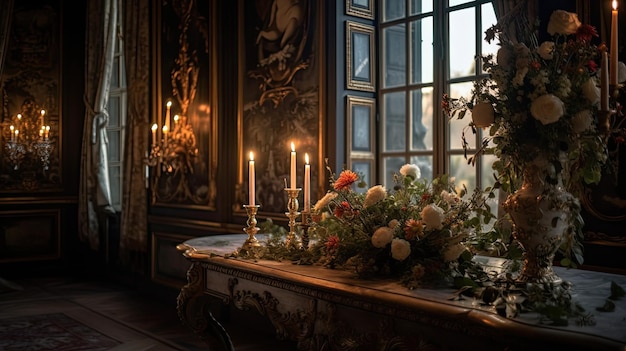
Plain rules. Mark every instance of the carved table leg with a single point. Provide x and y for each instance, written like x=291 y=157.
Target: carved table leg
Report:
x=193 y=311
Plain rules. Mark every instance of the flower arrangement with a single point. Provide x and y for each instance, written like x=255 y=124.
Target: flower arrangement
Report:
x=418 y=232
x=540 y=104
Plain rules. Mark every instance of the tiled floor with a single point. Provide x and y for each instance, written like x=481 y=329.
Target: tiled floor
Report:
x=138 y=320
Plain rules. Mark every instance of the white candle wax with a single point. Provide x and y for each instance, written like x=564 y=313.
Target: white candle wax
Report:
x=154 y=130
x=292 y=174
x=251 y=180
x=17 y=136
x=167 y=114
x=43 y=118
x=604 y=83
x=12 y=133
x=614 y=45
x=307 y=184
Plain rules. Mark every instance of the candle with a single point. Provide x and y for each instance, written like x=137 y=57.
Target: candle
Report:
x=154 y=130
x=47 y=132
x=165 y=130
x=307 y=184
x=19 y=120
x=17 y=136
x=176 y=119
x=614 y=45
x=43 y=113
x=251 y=180
x=12 y=133
x=292 y=174
x=167 y=114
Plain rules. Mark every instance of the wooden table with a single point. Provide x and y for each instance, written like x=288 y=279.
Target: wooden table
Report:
x=327 y=309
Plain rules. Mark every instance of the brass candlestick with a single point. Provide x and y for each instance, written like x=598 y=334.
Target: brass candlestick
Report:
x=251 y=229
x=292 y=207
x=305 y=225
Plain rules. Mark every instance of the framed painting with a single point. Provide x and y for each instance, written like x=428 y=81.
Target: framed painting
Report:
x=360 y=8
x=360 y=59
x=361 y=115
x=279 y=100
x=184 y=165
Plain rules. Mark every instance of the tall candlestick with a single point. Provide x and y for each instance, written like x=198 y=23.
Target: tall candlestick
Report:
x=292 y=174
x=251 y=180
x=614 y=45
x=307 y=184
x=604 y=82
x=154 y=131
x=167 y=114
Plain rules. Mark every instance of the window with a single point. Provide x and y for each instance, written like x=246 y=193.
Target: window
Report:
x=428 y=48
x=117 y=117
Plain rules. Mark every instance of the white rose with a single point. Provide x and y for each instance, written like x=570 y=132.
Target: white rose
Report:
x=547 y=109
x=382 y=236
x=483 y=115
x=582 y=121
x=374 y=194
x=432 y=216
x=450 y=198
x=591 y=91
x=546 y=50
x=400 y=249
x=563 y=22
x=410 y=170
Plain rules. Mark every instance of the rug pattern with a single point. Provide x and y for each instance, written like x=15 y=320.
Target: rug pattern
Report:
x=47 y=332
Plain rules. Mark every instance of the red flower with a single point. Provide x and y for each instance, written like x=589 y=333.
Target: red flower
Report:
x=536 y=65
x=586 y=32
x=345 y=180
x=592 y=65
x=341 y=208
x=332 y=243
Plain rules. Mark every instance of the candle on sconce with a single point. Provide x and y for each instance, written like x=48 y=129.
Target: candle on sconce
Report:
x=176 y=119
x=19 y=120
x=292 y=174
x=614 y=44
x=12 y=133
x=43 y=118
x=251 y=180
x=307 y=184
x=154 y=136
x=17 y=135
x=47 y=132
x=604 y=82
x=167 y=114
x=165 y=130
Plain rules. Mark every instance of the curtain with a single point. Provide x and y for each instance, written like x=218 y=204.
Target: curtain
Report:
x=94 y=198
x=134 y=233
x=513 y=15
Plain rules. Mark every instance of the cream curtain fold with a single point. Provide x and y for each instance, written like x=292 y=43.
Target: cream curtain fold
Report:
x=94 y=191
x=134 y=232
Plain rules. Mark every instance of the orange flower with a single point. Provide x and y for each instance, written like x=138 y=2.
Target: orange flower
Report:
x=332 y=242
x=413 y=228
x=345 y=180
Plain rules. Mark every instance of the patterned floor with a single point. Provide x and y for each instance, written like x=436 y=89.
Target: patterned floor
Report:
x=71 y=313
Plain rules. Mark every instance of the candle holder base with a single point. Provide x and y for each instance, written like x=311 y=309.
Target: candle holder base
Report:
x=251 y=242
x=292 y=241
x=305 y=225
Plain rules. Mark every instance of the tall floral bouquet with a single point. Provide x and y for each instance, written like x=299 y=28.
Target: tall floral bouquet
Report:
x=419 y=231
x=540 y=103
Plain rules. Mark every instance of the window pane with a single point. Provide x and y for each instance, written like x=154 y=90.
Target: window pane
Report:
x=421 y=6
x=462 y=43
x=422 y=119
x=115 y=73
x=457 y=2
x=422 y=51
x=463 y=173
x=395 y=55
x=115 y=182
x=425 y=163
x=114 y=111
x=393 y=9
x=488 y=19
x=456 y=126
x=391 y=166
x=394 y=121
x=114 y=145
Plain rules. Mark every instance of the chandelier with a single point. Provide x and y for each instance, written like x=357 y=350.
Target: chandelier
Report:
x=29 y=141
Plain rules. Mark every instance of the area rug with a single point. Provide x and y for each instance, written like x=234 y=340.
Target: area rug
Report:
x=47 y=332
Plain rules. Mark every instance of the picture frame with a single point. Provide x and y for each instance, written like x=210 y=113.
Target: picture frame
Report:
x=360 y=58
x=361 y=115
x=360 y=8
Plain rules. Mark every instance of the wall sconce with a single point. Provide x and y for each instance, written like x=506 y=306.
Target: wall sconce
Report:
x=172 y=153
x=29 y=142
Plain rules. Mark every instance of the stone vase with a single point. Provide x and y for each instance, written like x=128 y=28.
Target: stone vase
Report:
x=542 y=215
